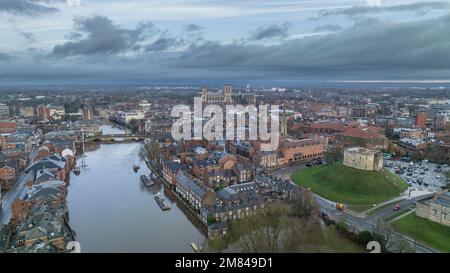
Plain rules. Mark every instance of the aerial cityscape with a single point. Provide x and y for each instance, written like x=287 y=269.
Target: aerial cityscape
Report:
x=233 y=127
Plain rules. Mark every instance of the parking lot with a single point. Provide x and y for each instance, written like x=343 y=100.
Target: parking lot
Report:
x=419 y=176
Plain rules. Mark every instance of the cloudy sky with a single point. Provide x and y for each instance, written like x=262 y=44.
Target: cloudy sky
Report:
x=164 y=40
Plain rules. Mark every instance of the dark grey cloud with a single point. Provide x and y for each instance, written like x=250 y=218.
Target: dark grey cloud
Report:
x=29 y=37
x=382 y=47
x=193 y=27
x=418 y=8
x=99 y=35
x=4 y=57
x=163 y=43
x=27 y=7
x=272 y=31
x=328 y=27
x=369 y=49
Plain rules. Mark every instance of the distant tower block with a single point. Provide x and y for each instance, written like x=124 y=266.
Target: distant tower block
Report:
x=205 y=94
x=284 y=127
x=228 y=93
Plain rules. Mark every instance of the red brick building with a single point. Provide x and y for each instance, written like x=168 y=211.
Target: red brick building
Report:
x=8 y=173
x=302 y=149
x=365 y=136
x=171 y=170
x=8 y=127
x=421 y=119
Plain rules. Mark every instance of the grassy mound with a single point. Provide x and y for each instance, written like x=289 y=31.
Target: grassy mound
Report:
x=347 y=185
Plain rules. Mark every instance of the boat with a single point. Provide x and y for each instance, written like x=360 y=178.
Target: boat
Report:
x=162 y=204
x=136 y=168
x=195 y=247
x=147 y=182
x=76 y=171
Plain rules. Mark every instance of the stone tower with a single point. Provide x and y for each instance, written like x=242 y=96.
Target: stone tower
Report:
x=204 y=94
x=284 y=127
x=228 y=94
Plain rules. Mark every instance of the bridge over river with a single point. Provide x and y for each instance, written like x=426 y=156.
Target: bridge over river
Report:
x=115 y=138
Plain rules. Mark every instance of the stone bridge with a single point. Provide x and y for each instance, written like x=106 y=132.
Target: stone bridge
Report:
x=115 y=138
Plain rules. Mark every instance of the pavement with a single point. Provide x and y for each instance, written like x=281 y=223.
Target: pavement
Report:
x=361 y=222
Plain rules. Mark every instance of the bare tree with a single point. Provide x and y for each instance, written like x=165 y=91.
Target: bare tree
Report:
x=303 y=204
x=402 y=246
x=260 y=233
x=383 y=234
x=150 y=151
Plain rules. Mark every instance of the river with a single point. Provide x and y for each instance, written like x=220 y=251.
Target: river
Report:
x=111 y=211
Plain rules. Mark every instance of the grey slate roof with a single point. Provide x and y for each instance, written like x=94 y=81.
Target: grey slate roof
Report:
x=189 y=183
x=444 y=200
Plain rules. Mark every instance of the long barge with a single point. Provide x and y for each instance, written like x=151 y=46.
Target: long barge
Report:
x=162 y=204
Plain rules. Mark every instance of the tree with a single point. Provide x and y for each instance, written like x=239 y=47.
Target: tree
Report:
x=150 y=151
x=303 y=204
x=383 y=234
x=295 y=235
x=332 y=155
x=365 y=237
x=260 y=233
x=447 y=181
x=394 y=149
x=390 y=134
x=402 y=246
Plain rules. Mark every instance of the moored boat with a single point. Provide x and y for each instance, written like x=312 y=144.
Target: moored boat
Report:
x=147 y=182
x=76 y=171
x=160 y=201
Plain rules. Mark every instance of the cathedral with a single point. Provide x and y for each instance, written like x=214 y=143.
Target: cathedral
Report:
x=227 y=97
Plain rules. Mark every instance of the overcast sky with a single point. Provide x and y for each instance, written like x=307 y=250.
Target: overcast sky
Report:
x=163 y=40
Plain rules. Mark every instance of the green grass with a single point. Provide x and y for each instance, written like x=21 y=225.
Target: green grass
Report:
x=383 y=207
x=350 y=186
x=433 y=234
x=397 y=214
x=328 y=239
x=360 y=208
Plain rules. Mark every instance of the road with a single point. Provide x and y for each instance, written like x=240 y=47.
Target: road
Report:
x=359 y=224
x=11 y=195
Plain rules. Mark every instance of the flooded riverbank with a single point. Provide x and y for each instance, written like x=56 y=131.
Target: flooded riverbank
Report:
x=112 y=211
